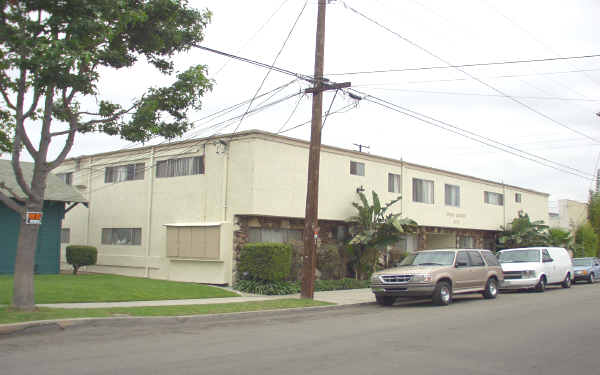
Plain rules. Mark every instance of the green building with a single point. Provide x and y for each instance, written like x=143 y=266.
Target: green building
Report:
x=59 y=199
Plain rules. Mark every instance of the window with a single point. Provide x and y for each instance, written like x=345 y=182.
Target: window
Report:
x=518 y=197
x=180 y=167
x=466 y=242
x=422 y=191
x=65 y=235
x=462 y=259
x=452 y=195
x=66 y=177
x=122 y=173
x=493 y=198
x=121 y=236
x=274 y=235
x=394 y=183
x=357 y=168
x=546 y=256
x=476 y=259
x=490 y=259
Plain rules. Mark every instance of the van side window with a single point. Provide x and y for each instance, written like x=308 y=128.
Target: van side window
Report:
x=545 y=256
x=490 y=259
x=476 y=259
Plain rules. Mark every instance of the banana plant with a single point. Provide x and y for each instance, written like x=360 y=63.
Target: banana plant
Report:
x=372 y=228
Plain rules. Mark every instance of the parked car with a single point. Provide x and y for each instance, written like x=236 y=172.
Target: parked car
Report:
x=536 y=267
x=587 y=269
x=439 y=275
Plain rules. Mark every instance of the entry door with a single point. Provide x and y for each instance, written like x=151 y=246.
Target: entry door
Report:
x=462 y=271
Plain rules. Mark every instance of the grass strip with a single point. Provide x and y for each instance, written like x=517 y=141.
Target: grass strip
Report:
x=109 y=288
x=7 y=315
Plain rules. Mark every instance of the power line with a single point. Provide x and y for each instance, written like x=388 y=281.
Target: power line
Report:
x=271 y=67
x=465 y=65
x=255 y=34
x=414 y=44
x=374 y=86
x=473 y=136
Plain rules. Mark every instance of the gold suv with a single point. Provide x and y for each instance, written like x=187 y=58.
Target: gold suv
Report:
x=439 y=274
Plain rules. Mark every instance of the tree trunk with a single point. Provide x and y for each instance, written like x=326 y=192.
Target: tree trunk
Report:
x=23 y=291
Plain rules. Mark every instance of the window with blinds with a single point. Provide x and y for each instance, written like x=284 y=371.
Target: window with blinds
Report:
x=180 y=167
x=422 y=191
x=66 y=177
x=357 y=168
x=121 y=236
x=120 y=173
x=394 y=183
x=194 y=242
x=493 y=198
x=452 y=193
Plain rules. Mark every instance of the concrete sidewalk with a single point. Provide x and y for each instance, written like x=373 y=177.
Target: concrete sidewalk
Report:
x=339 y=297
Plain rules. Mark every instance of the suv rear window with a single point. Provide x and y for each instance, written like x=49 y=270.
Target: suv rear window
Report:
x=490 y=259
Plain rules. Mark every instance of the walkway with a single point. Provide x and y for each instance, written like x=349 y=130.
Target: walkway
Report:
x=339 y=297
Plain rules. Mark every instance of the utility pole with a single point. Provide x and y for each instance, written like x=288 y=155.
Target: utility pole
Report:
x=311 y=226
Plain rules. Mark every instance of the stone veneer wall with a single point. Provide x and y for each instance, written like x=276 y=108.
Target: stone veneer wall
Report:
x=327 y=233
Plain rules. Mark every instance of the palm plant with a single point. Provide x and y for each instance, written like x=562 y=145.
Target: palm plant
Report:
x=372 y=229
x=522 y=232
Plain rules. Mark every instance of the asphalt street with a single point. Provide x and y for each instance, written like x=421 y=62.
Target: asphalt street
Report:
x=556 y=332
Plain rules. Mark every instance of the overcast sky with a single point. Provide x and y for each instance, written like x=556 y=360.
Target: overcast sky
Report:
x=564 y=93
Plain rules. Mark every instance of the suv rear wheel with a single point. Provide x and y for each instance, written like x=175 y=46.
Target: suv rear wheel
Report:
x=442 y=295
x=592 y=278
x=385 y=300
x=491 y=288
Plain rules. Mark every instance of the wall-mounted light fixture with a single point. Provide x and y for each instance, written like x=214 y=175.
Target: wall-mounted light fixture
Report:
x=360 y=189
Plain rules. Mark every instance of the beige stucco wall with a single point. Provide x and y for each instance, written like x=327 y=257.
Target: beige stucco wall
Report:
x=280 y=189
x=256 y=174
x=571 y=214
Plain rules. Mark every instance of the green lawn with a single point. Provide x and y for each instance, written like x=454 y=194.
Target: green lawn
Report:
x=108 y=288
x=9 y=316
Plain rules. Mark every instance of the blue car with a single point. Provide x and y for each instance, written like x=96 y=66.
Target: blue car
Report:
x=587 y=269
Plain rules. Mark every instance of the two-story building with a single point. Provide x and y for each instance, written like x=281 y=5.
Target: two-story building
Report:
x=180 y=211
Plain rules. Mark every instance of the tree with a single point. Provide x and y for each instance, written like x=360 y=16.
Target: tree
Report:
x=51 y=56
x=594 y=211
x=522 y=232
x=373 y=228
x=559 y=237
x=586 y=241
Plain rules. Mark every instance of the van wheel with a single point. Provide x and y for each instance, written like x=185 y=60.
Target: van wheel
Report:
x=541 y=285
x=491 y=289
x=567 y=281
x=385 y=300
x=442 y=295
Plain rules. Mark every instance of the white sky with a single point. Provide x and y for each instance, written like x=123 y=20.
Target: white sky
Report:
x=461 y=32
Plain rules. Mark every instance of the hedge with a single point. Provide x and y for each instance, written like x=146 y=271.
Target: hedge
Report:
x=265 y=261
x=79 y=255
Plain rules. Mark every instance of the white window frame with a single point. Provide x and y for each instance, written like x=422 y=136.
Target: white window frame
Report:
x=126 y=172
x=449 y=198
x=498 y=200
x=357 y=168
x=394 y=183
x=67 y=177
x=424 y=197
x=188 y=166
x=121 y=236
x=65 y=235
x=518 y=198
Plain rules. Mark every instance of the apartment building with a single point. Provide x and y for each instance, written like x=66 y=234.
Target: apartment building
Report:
x=181 y=211
x=570 y=215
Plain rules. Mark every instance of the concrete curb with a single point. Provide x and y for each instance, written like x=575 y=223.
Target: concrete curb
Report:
x=42 y=326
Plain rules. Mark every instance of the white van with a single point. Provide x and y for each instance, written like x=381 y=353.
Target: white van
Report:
x=536 y=267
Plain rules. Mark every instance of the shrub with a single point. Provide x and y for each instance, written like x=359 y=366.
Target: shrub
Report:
x=79 y=255
x=586 y=241
x=329 y=262
x=265 y=261
x=292 y=287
